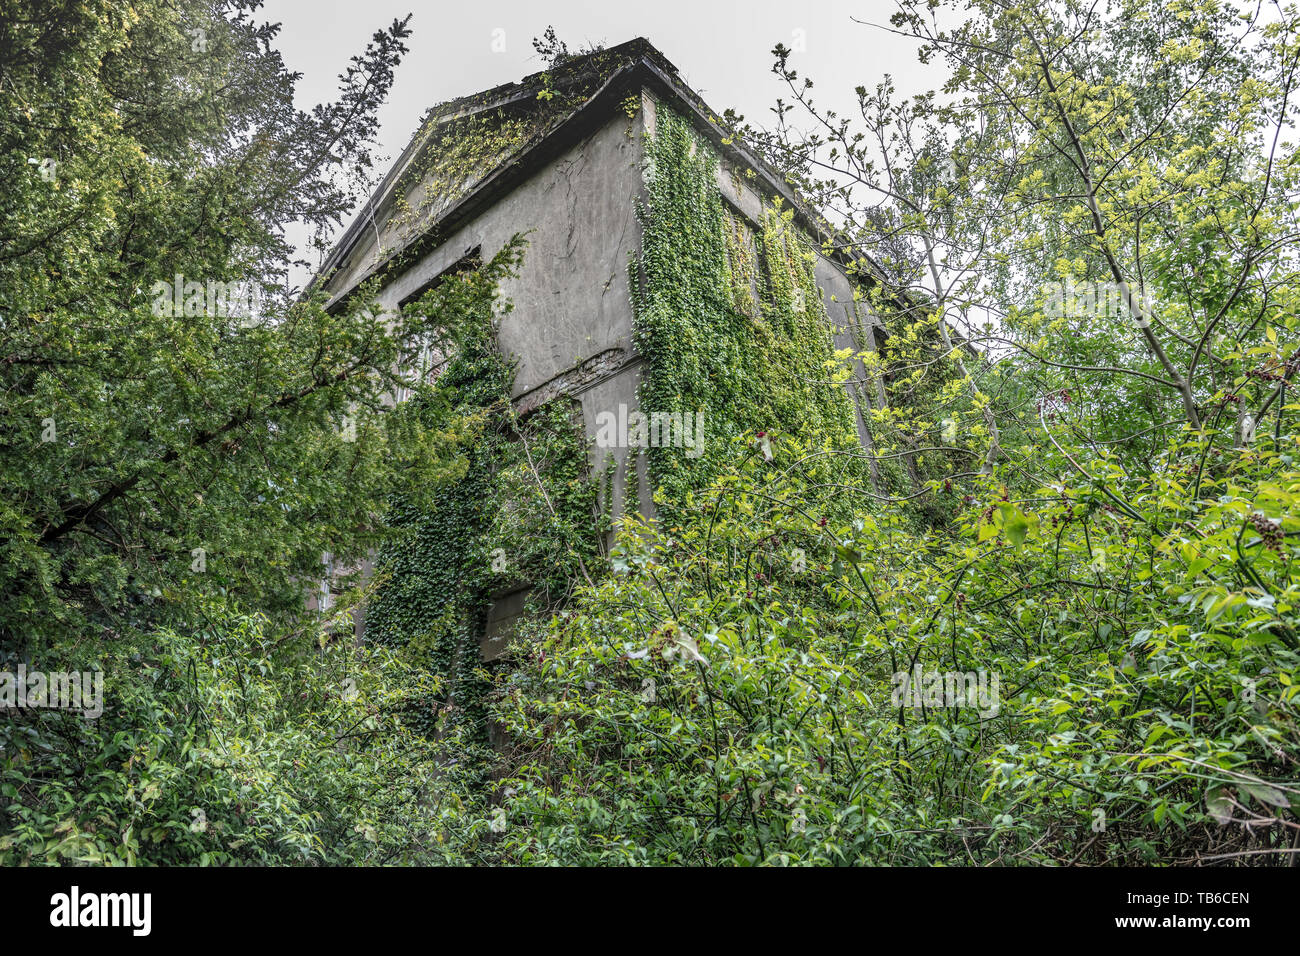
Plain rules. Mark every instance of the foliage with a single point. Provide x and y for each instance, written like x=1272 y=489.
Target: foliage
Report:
x=237 y=745
x=156 y=458
x=1104 y=191
x=522 y=509
x=726 y=695
x=731 y=324
x=1074 y=530
x=711 y=703
x=166 y=467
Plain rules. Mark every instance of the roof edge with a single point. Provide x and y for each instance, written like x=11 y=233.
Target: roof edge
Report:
x=648 y=69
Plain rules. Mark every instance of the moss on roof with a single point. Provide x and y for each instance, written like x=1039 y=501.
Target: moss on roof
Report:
x=459 y=143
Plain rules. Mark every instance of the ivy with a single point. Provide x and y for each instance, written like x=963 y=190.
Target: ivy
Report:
x=731 y=324
x=524 y=510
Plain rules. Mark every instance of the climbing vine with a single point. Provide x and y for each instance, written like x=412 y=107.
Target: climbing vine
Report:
x=523 y=509
x=731 y=323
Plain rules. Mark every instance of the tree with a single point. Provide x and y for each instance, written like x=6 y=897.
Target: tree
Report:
x=178 y=425
x=1105 y=190
x=182 y=436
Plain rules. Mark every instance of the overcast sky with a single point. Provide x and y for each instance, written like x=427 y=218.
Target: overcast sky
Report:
x=721 y=47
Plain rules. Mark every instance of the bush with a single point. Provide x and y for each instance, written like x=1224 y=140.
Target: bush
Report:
x=235 y=746
x=731 y=693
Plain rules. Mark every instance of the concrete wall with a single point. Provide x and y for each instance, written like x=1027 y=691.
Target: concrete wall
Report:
x=571 y=328
x=571 y=295
x=570 y=332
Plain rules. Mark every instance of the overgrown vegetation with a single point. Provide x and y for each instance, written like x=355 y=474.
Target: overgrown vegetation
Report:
x=172 y=475
x=713 y=703
x=524 y=510
x=1086 y=256
x=731 y=323
x=1046 y=616
x=233 y=745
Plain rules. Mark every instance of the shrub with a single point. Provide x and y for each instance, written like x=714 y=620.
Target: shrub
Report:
x=234 y=746
x=710 y=702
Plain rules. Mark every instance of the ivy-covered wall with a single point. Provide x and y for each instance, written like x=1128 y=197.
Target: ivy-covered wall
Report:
x=727 y=319
x=730 y=320
x=525 y=510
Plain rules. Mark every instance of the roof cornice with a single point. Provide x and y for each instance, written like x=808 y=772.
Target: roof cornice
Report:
x=646 y=68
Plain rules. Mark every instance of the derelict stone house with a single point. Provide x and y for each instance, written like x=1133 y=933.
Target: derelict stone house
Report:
x=561 y=154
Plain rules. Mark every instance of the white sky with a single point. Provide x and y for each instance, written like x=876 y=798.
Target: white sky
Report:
x=721 y=47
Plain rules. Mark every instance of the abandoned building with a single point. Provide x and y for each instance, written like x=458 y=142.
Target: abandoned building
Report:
x=564 y=155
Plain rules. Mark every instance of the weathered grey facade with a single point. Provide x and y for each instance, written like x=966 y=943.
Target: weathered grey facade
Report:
x=574 y=184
